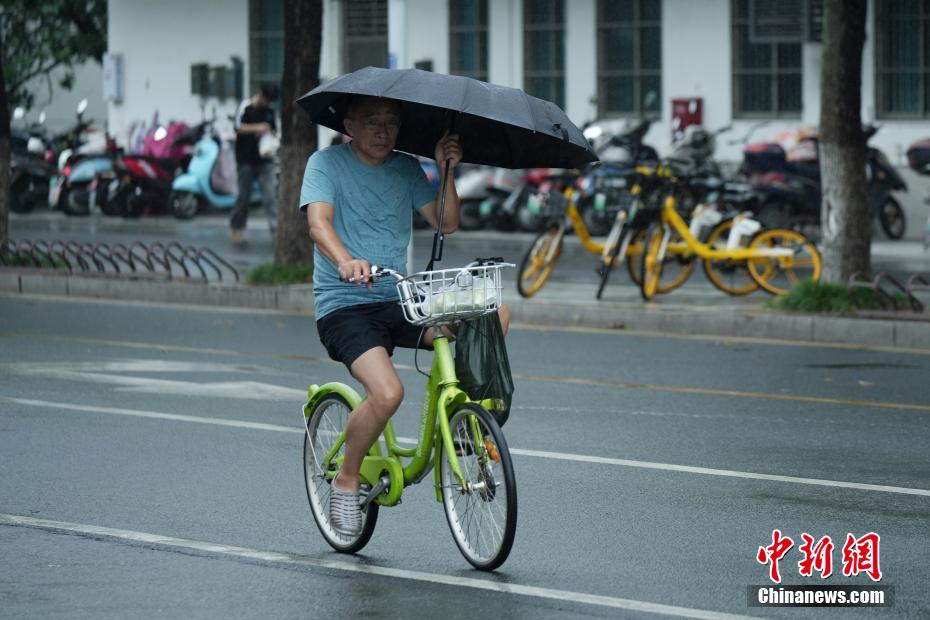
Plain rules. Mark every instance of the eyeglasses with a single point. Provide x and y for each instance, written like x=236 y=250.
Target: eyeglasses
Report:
x=389 y=125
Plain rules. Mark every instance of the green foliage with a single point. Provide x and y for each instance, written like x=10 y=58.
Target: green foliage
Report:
x=831 y=298
x=39 y=36
x=274 y=274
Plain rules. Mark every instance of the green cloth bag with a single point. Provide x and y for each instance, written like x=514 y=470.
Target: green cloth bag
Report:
x=482 y=365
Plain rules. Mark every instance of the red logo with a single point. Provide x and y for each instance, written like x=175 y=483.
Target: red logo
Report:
x=817 y=557
x=860 y=555
x=773 y=553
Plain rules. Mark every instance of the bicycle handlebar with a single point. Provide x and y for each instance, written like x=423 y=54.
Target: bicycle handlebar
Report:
x=381 y=272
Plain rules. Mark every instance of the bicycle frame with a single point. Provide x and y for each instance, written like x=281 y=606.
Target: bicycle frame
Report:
x=442 y=398
x=672 y=220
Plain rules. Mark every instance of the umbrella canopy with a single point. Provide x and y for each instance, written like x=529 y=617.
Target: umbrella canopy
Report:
x=497 y=125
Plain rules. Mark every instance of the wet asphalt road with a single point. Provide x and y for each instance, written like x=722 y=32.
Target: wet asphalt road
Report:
x=650 y=470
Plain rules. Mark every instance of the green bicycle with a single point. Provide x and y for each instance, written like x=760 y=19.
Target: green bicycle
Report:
x=458 y=438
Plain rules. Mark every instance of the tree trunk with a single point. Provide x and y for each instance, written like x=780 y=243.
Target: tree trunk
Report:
x=4 y=158
x=303 y=31
x=846 y=225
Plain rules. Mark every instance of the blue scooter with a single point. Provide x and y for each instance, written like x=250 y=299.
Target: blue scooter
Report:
x=195 y=189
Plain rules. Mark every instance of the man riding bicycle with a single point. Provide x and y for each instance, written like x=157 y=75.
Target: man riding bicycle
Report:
x=359 y=198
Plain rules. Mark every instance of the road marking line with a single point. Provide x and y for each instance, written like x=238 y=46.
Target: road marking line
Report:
x=559 y=456
x=718 y=338
x=609 y=383
x=296 y=559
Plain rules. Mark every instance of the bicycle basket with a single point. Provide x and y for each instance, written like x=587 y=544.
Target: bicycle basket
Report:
x=449 y=295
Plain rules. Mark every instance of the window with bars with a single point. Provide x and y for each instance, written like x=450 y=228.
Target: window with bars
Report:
x=365 y=24
x=544 y=49
x=902 y=58
x=766 y=76
x=468 y=38
x=266 y=43
x=629 y=57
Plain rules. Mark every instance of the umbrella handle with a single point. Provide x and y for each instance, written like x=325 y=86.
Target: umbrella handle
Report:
x=439 y=237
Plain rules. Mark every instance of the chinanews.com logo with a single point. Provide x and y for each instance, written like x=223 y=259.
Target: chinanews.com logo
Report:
x=859 y=555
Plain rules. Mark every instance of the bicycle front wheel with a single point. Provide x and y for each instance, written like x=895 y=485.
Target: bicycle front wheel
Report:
x=483 y=515
x=324 y=426
x=777 y=274
x=539 y=261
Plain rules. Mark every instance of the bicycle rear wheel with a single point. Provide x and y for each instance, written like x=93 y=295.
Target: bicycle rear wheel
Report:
x=325 y=424
x=482 y=516
x=539 y=261
x=778 y=274
x=730 y=276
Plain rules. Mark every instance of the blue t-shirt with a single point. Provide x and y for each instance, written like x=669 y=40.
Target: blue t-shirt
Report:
x=372 y=217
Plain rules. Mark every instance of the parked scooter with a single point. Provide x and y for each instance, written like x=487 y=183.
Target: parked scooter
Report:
x=32 y=164
x=86 y=158
x=472 y=187
x=210 y=178
x=918 y=158
x=143 y=182
x=790 y=194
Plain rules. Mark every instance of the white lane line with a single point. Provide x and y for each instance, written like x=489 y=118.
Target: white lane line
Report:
x=259 y=426
x=295 y=559
x=558 y=456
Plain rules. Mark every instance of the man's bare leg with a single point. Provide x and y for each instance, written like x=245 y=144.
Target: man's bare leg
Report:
x=384 y=392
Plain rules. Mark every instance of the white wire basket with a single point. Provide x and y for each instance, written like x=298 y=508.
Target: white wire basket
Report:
x=450 y=295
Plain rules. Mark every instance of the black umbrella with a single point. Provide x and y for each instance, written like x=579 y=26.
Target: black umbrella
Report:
x=497 y=125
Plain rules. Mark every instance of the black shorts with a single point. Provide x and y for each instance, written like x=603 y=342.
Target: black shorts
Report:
x=349 y=332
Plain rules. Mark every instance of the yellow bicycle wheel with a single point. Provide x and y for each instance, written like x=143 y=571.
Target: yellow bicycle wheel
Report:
x=777 y=274
x=651 y=265
x=539 y=261
x=728 y=275
x=677 y=264
x=634 y=256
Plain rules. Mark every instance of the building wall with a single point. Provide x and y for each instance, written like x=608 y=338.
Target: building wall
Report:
x=158 y=47
x=581 y=60
x=159 y=41
x=60 y=105
x=505 y=43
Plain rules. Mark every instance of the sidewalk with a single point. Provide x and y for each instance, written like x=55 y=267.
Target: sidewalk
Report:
x=567 y=300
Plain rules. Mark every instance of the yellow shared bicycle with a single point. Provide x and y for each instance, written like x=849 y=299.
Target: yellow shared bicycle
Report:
x=775 y=259
x=562 y=211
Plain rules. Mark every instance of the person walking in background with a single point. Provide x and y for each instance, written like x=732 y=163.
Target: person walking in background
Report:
x=254 y=120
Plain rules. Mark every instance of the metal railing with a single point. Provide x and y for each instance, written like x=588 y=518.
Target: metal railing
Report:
x=171 y=261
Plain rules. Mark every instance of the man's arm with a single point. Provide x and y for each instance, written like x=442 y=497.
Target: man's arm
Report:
x=320 y=219
x=447 y=149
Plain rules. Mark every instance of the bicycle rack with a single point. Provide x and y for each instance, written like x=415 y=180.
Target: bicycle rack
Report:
x=882 y=283
x=172 y=261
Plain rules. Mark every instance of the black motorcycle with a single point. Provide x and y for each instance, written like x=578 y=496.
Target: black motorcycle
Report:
x=789 y=191
x=32 y=165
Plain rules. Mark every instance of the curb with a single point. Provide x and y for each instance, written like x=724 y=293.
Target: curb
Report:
x=294 y=298
x=746 y=321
